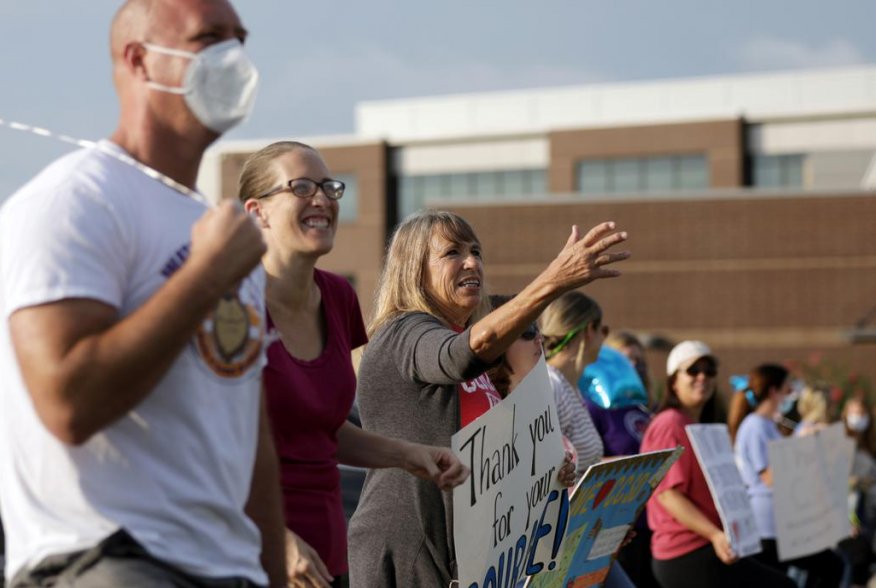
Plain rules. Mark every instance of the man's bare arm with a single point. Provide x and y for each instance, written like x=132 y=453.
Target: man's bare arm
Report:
x=85 y=368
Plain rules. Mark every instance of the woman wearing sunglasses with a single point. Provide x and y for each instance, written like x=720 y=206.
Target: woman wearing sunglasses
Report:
x=573 y=333
x=520 y=357
x=422 y=378
x=689 y=546
x=753 y=420
x=579 y=436
x=309 y=380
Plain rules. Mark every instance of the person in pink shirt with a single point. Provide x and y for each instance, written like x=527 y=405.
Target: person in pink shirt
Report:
x=314 y=322
x=689 y=546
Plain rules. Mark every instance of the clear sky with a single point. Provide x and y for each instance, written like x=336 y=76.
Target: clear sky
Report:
x=319 y=58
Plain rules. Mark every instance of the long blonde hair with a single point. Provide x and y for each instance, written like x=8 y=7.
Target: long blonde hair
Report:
x=812 y=405
x=401 y=287
x=571 y=312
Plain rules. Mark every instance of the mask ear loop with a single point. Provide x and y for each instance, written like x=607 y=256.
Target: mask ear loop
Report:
x=178 y=90
x=751 y=398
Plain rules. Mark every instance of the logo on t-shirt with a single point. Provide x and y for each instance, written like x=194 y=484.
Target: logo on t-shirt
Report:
x=476 y=397
x=230 y=339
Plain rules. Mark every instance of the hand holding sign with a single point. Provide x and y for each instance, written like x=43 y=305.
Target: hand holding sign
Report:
x=566 y=475
x=721 y=544
x=438 y=464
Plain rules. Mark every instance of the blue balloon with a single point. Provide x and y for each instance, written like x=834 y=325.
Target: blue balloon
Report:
x=612 y=382
x=739 y=383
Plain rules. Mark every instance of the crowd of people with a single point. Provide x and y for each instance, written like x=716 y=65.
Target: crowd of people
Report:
x=177 y=377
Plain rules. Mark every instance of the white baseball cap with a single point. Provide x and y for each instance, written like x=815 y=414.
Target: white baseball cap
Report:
x=686 y=353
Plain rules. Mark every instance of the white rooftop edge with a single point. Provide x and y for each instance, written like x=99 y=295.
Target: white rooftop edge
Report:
x=757 y=97
x=800 y=95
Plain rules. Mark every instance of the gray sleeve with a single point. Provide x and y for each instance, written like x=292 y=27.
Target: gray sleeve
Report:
x=428 y=352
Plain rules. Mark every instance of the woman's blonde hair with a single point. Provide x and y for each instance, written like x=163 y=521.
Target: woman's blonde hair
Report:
x=564 y=319
x=401 y=287
x=812 y=405
x=256 y=177
x=573 y=310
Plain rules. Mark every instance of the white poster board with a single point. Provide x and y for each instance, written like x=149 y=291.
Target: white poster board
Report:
x=711 y=444
x=505 y=516
x=810 y=490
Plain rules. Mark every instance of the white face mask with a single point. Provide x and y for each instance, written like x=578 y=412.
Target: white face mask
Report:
x=219 y=85
x=857 y=422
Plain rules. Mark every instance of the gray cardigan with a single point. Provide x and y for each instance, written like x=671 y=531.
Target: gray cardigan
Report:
x=402 y=532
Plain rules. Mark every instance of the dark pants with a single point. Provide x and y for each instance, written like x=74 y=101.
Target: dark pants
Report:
x=702 y=567
x=860 y=556
x=823 y=569
x=635 y=558
x=116 y=561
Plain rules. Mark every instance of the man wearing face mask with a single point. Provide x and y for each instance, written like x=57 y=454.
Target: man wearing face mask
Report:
x=134 y=449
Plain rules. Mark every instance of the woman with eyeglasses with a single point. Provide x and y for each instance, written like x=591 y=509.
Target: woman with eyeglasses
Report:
x=315 y=322
x=754 y=414
x=422 y=378
x=689 y=546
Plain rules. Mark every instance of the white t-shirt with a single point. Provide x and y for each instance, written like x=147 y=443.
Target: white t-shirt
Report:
x=175 y=472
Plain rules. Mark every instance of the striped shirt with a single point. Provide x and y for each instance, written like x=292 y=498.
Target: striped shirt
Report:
x=575 y=421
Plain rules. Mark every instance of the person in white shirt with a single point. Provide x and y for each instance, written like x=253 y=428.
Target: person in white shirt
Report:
x=134 y=448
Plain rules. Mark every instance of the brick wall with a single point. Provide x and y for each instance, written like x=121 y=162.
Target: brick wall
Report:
x=758 y=278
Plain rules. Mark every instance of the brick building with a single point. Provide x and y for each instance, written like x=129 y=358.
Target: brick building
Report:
x=750 y=200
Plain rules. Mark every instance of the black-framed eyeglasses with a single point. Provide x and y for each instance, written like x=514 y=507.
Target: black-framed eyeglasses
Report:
x=306 y=188
x=696 y=369
x=530 y=333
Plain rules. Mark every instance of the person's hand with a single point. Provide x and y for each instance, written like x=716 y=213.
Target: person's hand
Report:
x=566 y=474
x=226 y=244
x=721 y=545
x=305 y=568
x=438 y=464
x=583 y=260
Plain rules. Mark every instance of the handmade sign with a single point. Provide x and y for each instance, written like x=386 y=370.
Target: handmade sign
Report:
x=810 y=490
x=604 y=506
x=711 y=444
x=510 y=515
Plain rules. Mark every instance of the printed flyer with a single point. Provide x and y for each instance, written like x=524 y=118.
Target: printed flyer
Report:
x=711 y=444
